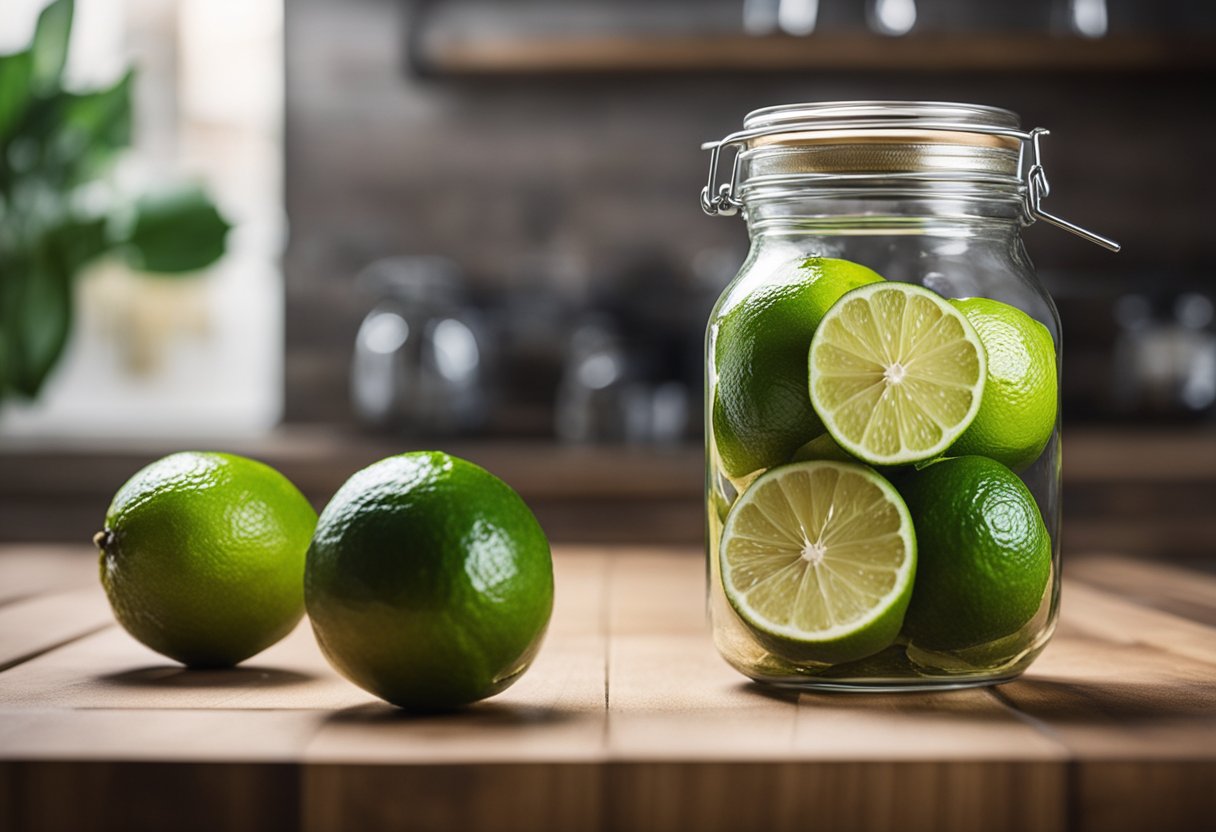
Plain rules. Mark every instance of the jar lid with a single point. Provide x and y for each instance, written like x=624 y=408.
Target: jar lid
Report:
x=857 y=114
x=851 y=138
x=865 y=142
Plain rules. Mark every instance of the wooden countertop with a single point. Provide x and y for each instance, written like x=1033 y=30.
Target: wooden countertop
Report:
x=628 y=720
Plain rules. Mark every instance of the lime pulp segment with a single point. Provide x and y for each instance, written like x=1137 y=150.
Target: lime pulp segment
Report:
x=818 y=559
x=896 y=373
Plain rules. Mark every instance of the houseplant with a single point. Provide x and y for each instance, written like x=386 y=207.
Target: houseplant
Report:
x=59 y=209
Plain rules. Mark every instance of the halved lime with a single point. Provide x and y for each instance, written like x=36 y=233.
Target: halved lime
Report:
x=896 y=373
x=818 y=559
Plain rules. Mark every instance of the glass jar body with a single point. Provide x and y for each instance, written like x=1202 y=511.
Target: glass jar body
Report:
x=959 y=248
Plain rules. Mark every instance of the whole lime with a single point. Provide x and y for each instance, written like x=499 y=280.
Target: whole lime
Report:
x=429 y=582
x=1018 y=410
x=761 y=410
x=202 y=557
x=984 y=553
x=822 y=447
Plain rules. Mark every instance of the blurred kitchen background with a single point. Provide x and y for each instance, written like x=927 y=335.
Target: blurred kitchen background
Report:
x=475 y=225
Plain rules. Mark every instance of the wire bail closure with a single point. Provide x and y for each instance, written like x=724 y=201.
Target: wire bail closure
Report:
x=722 y=199
x=725 y=203
x=1038 y=187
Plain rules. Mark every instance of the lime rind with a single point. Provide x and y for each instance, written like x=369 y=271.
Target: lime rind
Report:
x=896 y=373
x=1021 y=400
x=759 y=339
x=862 y=559
x=986 y=554
x=822 y=446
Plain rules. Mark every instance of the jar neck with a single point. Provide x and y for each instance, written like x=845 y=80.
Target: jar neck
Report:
x=962 y=212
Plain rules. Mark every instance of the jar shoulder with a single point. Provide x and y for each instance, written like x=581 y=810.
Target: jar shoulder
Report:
x=954 y=266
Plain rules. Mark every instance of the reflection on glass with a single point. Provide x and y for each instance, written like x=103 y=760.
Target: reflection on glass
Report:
x=892 y=17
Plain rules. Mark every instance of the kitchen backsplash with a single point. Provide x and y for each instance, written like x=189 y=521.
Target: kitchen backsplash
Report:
x=565 y=189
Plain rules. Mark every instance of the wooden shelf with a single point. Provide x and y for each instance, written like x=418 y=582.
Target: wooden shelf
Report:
x=1134 y=490
x=438 y=53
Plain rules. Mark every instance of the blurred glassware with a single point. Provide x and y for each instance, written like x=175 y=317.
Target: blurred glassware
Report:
x=602 y=398
x=419 y=354
x=797 y=17
x=964 y=16
x=597 y=399
x=1088 y=18
x=1151 y=17
x=1165 y=367
x=891 y=17
x=669 y=412
x=760 y=16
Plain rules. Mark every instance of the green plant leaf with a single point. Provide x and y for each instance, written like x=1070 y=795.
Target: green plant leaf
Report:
x=36 y=302
x=10 y=314
x=86 y=130
x=78 y=240
x=40 y=331
x=15 y=73
x=175 y=231
x=4 y=361
x=50 y=46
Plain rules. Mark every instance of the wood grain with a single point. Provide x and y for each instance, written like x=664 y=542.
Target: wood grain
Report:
x=32 y=626
x=111 y=670
x=1101 y=614
x=37 y=569
x=483 y=796
x=966 y=725
x=155 y=735
x=666 y=682
x=1118 y=796
x=880 y=796
x=1182 y=592
x=1119 y=701
x=629 y=720
x=70 y=796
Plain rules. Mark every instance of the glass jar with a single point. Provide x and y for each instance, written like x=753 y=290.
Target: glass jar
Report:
x=882 y=420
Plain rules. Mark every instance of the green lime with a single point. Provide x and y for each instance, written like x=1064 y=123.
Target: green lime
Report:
x=202 y=557
x=429 y=582
x=761 y=413
x=821 y=447
x=825 y=447
x=1018 y=411
x=896 y=373
x=985 y=554
x=818 y=559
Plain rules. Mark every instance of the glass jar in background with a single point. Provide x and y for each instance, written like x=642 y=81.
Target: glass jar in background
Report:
x=418 y=363
x=882 y=419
